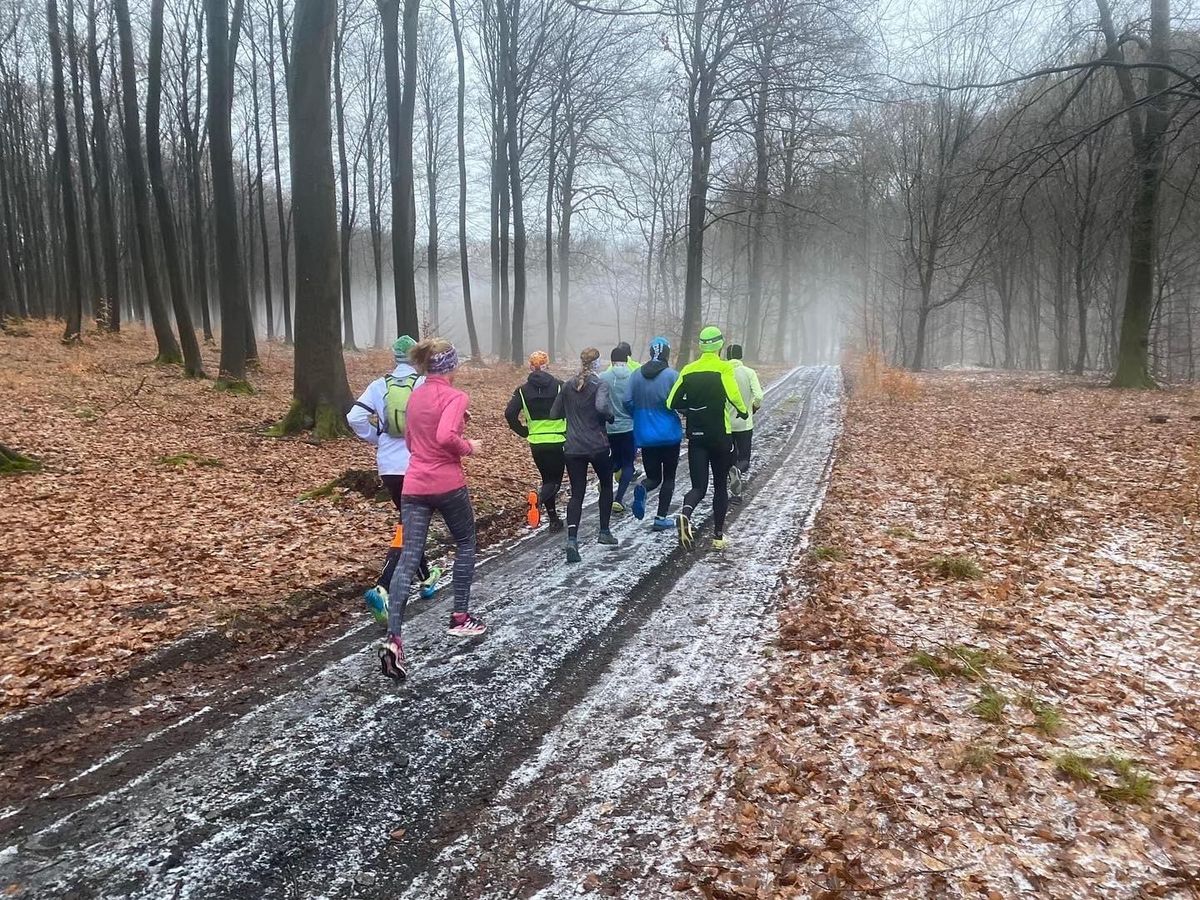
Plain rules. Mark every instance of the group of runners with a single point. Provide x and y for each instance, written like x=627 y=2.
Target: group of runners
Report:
x=597 y=419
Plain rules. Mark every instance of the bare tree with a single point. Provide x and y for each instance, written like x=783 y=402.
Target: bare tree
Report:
x=236 y=332
x=321 y=391
x=168 y=347
x=193 y=366
x=62 y=154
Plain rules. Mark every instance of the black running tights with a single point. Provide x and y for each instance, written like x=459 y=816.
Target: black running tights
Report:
x=718 y=457
x=577 y=467
x=661 y=464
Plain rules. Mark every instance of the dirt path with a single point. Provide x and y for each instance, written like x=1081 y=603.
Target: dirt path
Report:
x=596 y=685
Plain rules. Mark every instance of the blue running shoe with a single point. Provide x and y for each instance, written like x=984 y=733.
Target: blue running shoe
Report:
x=573 y=552
x=377 y=602
x=663 y=523
x=639 y=501
x=429 y=586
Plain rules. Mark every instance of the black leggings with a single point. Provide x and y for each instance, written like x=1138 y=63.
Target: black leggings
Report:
x=395 y=486
x=577 y=467
x=661 y=464
x=550 y=463
x=717 y=456
x=742 y=441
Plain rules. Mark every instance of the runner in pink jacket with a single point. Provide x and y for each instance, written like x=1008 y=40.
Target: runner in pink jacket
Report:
x=435 y=419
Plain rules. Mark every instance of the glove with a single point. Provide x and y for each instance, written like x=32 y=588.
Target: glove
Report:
x=743 y=415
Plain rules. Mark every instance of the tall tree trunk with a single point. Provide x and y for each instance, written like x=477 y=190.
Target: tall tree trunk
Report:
x=344 y=170
x=407 y=320
x=758 y=215
x=62 y=152
x=285 y=271
x=258 y=182
x=551 y=174
x=566 y=212
x=191 y=140
x=168 y=347
x=1147 y=134
x=376 y=230
x=432 y=249
x=464 y=268
x=512 y=15
x=193 y=366
x=92 y=280
x=321 y=390
x=231 y=288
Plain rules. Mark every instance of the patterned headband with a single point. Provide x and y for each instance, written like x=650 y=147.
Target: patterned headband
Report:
x=441 y=363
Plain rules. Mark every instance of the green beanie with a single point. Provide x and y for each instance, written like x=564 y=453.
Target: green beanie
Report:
x=401 y=346
x=711 y=340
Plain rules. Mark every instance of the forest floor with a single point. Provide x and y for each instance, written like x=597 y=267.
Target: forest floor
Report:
x=987 y=676
x=163 y=507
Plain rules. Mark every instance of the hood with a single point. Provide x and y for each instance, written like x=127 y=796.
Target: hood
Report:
x=542 y=379
x=652 y=369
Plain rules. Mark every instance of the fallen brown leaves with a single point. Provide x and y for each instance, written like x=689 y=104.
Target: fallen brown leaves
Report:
x=1006 y=592
x=164 y=508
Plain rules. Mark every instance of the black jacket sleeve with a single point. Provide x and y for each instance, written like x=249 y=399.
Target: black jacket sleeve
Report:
x=511 y=413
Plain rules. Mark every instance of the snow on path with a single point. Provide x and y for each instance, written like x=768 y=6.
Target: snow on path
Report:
x=296 y=797
x=606 y=796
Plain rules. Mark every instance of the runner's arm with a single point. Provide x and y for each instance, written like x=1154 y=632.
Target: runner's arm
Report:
x=604 y=406
x=677 y=399
x=512 y=415
x=450 y=425
x=756 y=390
x=360 y=415
x=732 y=392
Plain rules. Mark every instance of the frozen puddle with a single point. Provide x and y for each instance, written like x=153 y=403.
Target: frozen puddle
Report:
x=564 y=745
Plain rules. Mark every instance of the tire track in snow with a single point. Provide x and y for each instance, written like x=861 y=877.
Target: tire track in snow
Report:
x=285 y=799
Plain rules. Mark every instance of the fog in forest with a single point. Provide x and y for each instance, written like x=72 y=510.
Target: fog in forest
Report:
x=952 y=183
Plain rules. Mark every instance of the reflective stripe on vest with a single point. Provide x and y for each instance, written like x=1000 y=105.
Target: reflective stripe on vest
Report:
x=543 y=431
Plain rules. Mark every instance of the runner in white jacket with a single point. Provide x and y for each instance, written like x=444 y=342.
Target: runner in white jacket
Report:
x=366 y=418
x=743 y=429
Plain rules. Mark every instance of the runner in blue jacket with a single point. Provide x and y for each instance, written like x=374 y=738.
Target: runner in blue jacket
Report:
x=656 y=429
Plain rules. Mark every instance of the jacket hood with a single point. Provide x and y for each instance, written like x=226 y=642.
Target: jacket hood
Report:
x=652 y=368
x=542 y=379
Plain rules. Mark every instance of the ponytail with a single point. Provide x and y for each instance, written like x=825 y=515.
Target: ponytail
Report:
x=587 y=360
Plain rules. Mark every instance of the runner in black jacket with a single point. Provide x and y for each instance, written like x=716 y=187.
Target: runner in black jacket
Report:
x=546 y=436
x=701 y=393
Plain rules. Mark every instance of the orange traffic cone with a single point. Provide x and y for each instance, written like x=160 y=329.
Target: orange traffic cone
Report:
x=534 y=516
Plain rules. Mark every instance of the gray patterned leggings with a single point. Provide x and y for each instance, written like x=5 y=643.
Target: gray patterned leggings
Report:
x=455 y=509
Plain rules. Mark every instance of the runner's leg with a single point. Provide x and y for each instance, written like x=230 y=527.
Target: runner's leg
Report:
x=720 y=459
x=417 y=514
x=603 y=467
x=577 y=473
x=550 y=464
x=670 y=465
x=395 y=487
x=459 y=517
x=698 y=454
x=624 y=452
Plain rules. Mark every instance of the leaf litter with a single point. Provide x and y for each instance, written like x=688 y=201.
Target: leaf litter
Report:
x=1065 y=765
x=164 y=508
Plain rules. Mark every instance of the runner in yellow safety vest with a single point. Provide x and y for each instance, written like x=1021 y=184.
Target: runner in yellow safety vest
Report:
x=532 y=400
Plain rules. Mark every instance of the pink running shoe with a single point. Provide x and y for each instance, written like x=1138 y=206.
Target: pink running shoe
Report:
x=466 y=625
x=391 y=658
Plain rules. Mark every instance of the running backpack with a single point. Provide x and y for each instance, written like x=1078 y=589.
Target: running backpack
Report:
x=395 y=403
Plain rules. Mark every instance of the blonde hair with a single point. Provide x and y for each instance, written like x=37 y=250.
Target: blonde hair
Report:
x=586 y=358
x=423 y=351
